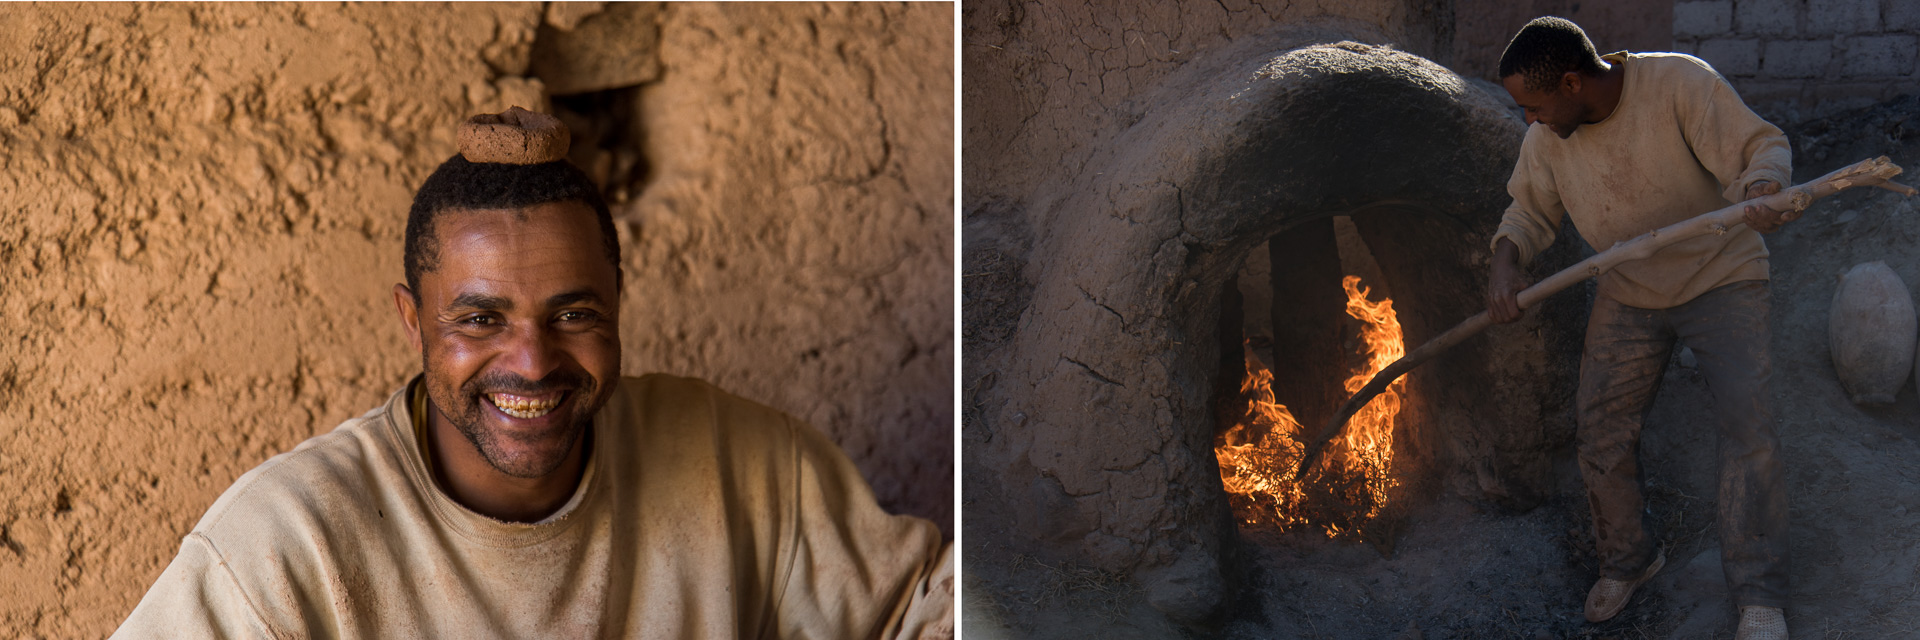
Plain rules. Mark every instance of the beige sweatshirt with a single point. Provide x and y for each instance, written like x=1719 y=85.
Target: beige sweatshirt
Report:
x=699 y=515
x=1680 y=143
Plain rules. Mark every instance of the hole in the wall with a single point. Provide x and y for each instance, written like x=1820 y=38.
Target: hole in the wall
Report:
x=595 y=61
x=607 y=141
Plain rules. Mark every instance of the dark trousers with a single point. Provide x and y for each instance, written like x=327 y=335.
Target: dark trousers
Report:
x=1627 y=350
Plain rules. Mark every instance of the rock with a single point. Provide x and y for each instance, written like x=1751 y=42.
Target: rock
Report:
x=1871 y=328
x=567 y=15
x=612 y=48
x=526 y=93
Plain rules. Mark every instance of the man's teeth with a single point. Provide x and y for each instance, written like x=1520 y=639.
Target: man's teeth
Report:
x=525 y=408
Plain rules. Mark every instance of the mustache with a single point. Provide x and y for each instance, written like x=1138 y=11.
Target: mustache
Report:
x=505 y=382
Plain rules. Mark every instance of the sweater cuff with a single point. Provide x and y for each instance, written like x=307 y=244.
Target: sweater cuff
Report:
x=1525 y=251
x=1737 y=192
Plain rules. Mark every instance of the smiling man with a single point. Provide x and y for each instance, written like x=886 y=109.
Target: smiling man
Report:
x=520 y=487
x=1625 y=144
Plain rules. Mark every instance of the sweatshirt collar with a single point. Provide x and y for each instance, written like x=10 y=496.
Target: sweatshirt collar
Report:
x=401 y=426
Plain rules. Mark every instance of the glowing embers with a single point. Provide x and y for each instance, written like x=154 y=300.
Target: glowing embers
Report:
x=1349 y=486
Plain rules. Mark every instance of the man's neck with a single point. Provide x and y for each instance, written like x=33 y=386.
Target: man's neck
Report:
x=1607 y=88
x=470 y=480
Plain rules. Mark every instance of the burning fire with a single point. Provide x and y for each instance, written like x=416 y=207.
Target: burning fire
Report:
x=1348 y=486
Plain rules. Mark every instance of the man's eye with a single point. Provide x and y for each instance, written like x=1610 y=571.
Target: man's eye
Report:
x=578 y=316
x=478 y=321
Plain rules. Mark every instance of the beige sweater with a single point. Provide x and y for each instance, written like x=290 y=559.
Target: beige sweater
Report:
x=1680 y=143
x=700 y=515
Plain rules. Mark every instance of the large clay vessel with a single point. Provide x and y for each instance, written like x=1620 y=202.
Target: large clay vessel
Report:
x=1872 y=329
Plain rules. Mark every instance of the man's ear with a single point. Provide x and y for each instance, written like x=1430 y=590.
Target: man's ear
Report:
x=1571 y=81
x=409 y=307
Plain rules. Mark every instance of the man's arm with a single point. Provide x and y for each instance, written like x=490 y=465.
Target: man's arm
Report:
x=196 y=597
x=1747 y=154
x=856 y=571
x=928 y=610
x=1505 y=283
x=1528 y=227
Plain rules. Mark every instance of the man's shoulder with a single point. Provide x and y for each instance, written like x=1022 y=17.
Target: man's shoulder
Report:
x=1671 y=68
x=663 y=397
x=678 y=421
x=317 y=484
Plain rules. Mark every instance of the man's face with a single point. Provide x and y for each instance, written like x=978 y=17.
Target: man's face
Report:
x=519 y=330
x=1557 y=108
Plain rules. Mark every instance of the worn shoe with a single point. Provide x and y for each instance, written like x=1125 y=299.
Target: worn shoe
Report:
x=1609 y=596
x=1761 y=623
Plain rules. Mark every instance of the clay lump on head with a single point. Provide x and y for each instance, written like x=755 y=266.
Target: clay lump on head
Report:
x=512 y=160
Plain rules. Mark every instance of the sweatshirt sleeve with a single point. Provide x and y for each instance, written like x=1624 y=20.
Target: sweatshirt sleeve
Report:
x=1732 y=141
x=196 y=597
x=854 y=570
x=1533 y=219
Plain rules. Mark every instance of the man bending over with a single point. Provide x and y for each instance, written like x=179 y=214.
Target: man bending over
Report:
x=1627 y=143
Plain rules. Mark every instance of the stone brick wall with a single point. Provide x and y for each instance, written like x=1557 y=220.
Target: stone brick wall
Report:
x=1805 y=58
x=1481 y=28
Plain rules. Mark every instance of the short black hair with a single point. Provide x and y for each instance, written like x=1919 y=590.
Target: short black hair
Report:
x=462 y=185
x=1547 y=48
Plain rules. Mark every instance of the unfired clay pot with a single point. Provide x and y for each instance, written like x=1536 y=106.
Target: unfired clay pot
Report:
x=1872 y=328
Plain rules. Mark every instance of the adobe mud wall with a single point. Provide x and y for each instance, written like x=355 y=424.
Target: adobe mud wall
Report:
x=1047 y=79
x=201 y=211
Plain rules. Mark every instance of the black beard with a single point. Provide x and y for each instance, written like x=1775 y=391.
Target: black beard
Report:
x=466 y=415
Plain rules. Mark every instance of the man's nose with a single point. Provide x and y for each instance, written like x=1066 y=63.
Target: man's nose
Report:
x=1532 y=118
x=532 y=353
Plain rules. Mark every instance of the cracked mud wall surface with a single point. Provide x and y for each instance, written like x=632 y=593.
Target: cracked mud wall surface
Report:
x=1047 y=80
x=203 y=208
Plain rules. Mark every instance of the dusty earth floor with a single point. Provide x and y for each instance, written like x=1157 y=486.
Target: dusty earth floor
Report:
x=1460 y=571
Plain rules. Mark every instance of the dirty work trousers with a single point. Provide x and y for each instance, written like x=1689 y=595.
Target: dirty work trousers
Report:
x=1627 y=350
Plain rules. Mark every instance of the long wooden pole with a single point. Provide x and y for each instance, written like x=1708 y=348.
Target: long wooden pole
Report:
x=1877 y=172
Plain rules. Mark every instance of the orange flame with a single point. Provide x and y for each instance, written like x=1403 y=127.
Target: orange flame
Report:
x=1350 y=484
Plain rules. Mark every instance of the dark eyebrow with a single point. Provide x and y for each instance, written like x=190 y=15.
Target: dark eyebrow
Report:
x=574 y=297
x=485 y=302
x=482 y=302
